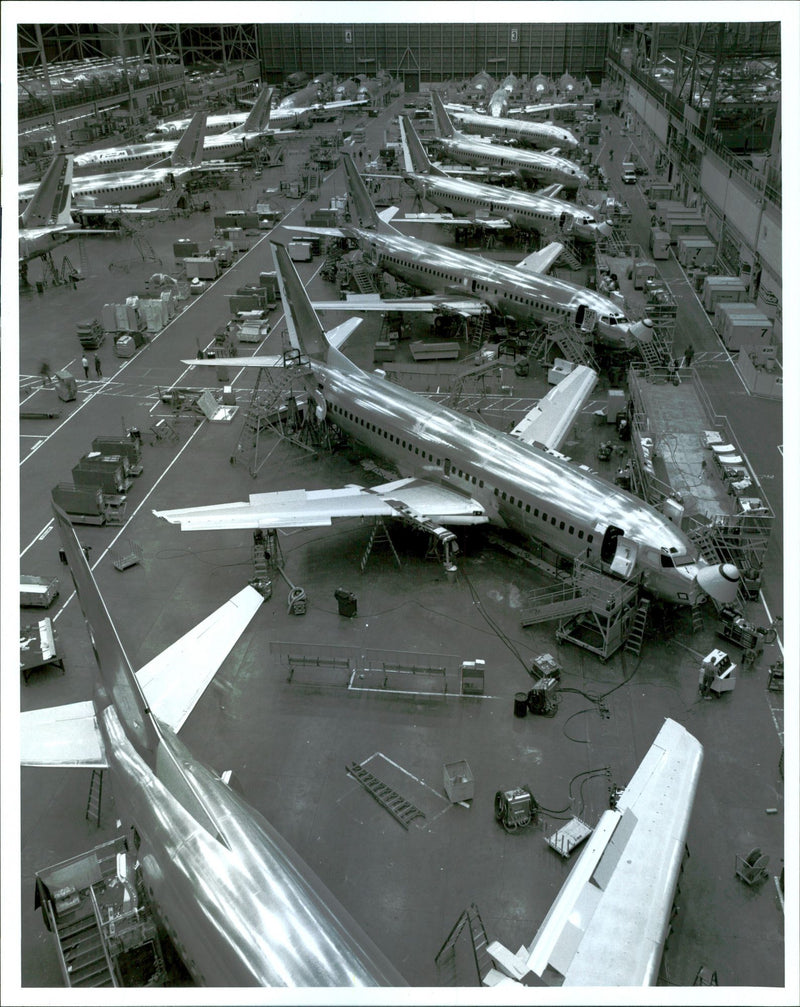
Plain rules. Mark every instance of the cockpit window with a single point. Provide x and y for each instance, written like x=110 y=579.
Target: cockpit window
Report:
x=666 y=560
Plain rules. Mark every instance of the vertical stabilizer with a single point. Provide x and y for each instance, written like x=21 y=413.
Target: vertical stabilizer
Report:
x=258 y=120
x=361 y=207
x=50 y=204
x=305 y=331
x=117 y=684
x=441 y=120
x=189 y=151
x=416 y=158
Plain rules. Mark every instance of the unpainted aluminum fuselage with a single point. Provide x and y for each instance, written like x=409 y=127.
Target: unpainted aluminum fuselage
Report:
x=521 y=487
x=531 y=166
x=542 y=135
x=528 y=297
x=525 y=210
x=239 y=904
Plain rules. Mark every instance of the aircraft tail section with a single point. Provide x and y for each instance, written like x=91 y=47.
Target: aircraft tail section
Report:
x=51 y=201
x=190 y=146
x=361 y=206
x=116 y=677
x=305 y=331
x=441 y=120
x=258 y=119
x=414 y=153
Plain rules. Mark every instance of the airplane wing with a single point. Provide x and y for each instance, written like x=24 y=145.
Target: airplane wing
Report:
x=175 y=680
x=609 y=921
x=541 y=261
x=428 y=303
x=551 y=418
x=416 y=500
x=62 y=736
x=491 y=223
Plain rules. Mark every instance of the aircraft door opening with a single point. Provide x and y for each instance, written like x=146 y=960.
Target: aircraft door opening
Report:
x=609 y=545
x=447 y=466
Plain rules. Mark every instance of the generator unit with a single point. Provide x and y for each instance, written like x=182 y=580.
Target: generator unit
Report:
x=515 y=809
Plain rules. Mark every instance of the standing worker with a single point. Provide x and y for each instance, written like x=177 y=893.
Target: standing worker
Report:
x=44 y=370
x=688 y=356
x=97 y=368
x=85 y=365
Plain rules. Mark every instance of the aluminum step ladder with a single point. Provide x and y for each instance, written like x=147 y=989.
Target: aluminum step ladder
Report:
x=633 y=645
x=568 y=253
x=397 y=806
x=378 y=536
x=94 y=801
x=364 y=279
x=446 y=955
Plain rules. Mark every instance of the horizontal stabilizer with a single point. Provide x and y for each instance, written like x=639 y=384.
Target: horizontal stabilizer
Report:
x=414 y=499
x=331 y=232
x=540 y=262
x=175 y=680
x=550 y=420
x=551 y=191
x=65 y=736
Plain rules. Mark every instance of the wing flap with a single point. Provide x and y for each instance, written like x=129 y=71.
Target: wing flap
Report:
x=541 y=261
x=175 y=680
x=65 y=736
x=551 y=418
x=414 y=499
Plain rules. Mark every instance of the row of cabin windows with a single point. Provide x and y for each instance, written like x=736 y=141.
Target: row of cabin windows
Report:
x=462 y=474
x=403 y=443
x=533 y=214
x=562 y=525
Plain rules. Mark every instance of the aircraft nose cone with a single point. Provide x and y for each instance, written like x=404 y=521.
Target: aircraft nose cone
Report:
x=719 y=582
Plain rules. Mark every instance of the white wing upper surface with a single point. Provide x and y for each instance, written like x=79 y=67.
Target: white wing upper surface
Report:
x=541 y=261
x=62 y=736
x=414 y=499
x=551 y=418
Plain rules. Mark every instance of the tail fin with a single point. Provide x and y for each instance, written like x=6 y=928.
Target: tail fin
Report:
x=414 y=153
x=305 y=331
x=361 y=206
x=441 y=120
x=51 y=201
x=190 y=146
x=117 y=678
x=258 y=119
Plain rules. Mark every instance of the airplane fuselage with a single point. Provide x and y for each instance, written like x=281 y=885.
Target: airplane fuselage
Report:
x=240 y=906
x=525 y=296
x=532 y=167
x=521 y=487
x=36 y=241
x=140 y=156
x=114 y=188
x=538 y=134
x=525 y=210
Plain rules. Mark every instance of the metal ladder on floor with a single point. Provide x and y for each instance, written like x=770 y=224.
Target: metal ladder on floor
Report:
x=364 y=279
x=568 y=254
x=572 y=346
x=397 y=806
x=633 y=645
x=379 y=535
x=446 y=956
x=697 y=618
x=94 y=801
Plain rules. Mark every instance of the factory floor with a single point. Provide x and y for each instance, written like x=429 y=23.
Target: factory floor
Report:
x=289 y=737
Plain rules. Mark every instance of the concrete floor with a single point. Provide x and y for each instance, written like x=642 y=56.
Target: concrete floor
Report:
x=289 y=741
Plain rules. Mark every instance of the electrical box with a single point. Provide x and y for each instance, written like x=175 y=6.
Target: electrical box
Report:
x=459 y=783
x=472 y=677
x=300 y=251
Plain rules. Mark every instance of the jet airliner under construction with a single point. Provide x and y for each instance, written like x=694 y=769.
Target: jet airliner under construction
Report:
x=532 y=167
x=531 y=211
x=457 y=471
x=232 y=143
x=97 y=191
x=522 y=292
x=543 y=135
x=241 y=906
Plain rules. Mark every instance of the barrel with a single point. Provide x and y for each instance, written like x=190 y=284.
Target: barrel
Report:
x=521 y=704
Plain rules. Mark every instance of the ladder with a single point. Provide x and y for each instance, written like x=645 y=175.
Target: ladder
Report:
x=379 y=534
x=93 y=804
x=261 y=579
x=364 y=279
x=397 y=806
x=573 y=347
x=649 y=353
x=697 y=618
x=568 y=253
x=479 y=328
x=633 y=645
x=446 y=954
x=705 y=977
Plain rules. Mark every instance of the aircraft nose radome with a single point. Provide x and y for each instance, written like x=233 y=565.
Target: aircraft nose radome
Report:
x=719 y=582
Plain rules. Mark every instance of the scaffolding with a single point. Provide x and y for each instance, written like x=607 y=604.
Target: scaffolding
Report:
x=594 y=611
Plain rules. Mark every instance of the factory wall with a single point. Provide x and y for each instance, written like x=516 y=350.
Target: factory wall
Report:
x=435 y=52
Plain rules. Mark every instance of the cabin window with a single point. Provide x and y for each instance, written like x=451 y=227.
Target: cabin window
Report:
x=480 y=483
x=590 y=538
x=560 y=525
x=527 y=508
x=580 y=533
x=544 y=516
x=519 y=504
x=552 y=521
x=572 y=529
x=536 y=512
x=503 y=494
